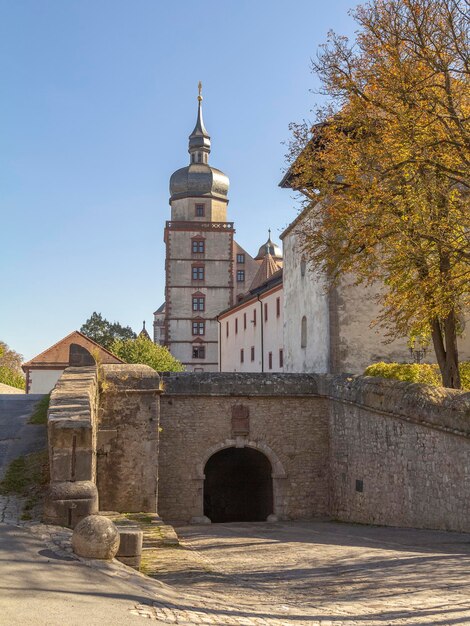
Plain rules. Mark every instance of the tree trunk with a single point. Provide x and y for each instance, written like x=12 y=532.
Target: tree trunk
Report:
x=445 y=347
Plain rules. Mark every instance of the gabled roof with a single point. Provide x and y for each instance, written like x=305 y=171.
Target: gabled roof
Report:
x=58 y=354
x=161 y=309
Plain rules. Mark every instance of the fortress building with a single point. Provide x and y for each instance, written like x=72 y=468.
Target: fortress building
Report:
x=205 y=269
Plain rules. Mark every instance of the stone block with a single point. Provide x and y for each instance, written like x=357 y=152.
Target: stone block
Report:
x=67 y=503
x=131 y=542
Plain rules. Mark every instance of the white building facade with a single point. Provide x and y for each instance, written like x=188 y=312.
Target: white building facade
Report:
x=251 y=332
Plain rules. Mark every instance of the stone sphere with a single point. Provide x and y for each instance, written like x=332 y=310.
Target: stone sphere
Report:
x=95 y=537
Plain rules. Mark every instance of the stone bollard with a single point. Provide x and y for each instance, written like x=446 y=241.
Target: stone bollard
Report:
x=95 y=537
x=130 y=547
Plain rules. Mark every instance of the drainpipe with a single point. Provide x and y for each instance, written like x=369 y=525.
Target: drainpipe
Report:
x=220 y=343
x=262 y=333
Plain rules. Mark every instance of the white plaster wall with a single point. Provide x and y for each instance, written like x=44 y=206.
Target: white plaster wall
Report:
x=43 y=381
x=304 y=295
x=232 y=344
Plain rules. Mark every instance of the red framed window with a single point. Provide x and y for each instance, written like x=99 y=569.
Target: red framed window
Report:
x=240 y=258
x=199 y=303
x=198 y=246
x=197 y=272
x=199 y=327
x=240 y=276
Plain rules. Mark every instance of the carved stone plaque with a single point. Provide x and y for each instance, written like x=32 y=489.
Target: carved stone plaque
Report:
x=240 y=420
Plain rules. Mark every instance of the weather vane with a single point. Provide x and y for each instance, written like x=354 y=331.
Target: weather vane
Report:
x=199 y=88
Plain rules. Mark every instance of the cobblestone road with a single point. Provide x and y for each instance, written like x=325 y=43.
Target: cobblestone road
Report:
x=315 y=574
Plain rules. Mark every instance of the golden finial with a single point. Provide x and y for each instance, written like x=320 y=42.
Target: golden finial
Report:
x=199 y=88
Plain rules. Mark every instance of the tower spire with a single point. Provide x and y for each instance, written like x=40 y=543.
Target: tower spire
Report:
x=199 y=139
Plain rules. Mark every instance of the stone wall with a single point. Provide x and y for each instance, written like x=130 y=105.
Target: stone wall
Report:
x=284 y=422
x=128 y=430
x=400 y=454
x=356 y=449
x=103 y=443
x=72 y=419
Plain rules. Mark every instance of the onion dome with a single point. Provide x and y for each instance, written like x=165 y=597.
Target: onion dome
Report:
x=270 y=248
x=199 y=179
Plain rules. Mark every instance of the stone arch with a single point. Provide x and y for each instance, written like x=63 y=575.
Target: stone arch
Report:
x=278 y=475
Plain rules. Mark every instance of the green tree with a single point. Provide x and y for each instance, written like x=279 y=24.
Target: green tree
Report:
x=385 y=171
x=143 y=350
x=10 y=367
x=105 y=333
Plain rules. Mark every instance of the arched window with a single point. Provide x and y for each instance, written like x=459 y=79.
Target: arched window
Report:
x=303 y=332
x=303 y=267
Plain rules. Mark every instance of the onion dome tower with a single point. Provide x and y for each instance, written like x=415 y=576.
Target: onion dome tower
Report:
x=199 y=179
x=199 y=255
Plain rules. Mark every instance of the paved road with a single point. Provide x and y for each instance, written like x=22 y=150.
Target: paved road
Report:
x=322 y=573
x=17 y=437
x=40 y=588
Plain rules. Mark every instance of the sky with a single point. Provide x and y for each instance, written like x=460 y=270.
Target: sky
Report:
x=98 y=98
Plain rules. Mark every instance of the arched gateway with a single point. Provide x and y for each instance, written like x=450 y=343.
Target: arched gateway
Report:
x=238 y=486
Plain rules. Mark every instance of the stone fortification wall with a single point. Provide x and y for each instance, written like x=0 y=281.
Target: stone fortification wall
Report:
x=359 y=449
x=356 y=449
x=103 y=438
x=275 y=414
x=72 y=419
x=127 y=448
x=400 y=454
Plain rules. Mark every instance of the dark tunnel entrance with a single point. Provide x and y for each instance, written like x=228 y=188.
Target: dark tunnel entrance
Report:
x=238 y=486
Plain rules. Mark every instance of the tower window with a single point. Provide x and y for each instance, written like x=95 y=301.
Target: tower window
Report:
x=198 y=272
x=242 y=355
x=227 y=329
x=199 y=303
x=200 y=210
x=199 y=328
x=252 y=353
x=240 y=258
x=254 y=317
x=278 y=307
x=198 y=246
x=240 y=276
x=244 y=321
x=270 y=360
x=199 y=352
x=266 y=312
x=303 y=332
x=236 y=325
x=303 y=267
x=281 y=358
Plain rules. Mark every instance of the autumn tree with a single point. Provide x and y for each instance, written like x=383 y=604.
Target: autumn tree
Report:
x=143 y=350
x=103 y=332
x=385 y=171
x=10 y=367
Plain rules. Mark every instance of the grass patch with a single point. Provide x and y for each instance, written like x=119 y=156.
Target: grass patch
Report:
x=27 y=477
x=39 y=415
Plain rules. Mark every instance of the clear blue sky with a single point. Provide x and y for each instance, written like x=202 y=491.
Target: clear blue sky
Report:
x=98 y=98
